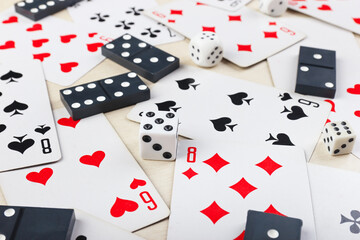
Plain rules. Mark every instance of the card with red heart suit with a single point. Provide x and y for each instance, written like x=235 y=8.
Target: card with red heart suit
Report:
x=66 y=51
x=28 y=134
x=345 y=105
x=341 y=13
x=97 y=175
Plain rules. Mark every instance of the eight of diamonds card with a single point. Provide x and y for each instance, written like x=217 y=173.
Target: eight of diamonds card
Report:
x=248 y=36
x=97 y=175
x=215 y=184
x=27 y=131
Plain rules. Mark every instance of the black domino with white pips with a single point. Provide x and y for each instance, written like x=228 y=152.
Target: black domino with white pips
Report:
x=38 y=9
x=104 y=95
x=140 y=57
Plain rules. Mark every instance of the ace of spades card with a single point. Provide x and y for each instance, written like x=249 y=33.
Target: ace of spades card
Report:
x=115 y=18
x=248 y=37
x=97 y=175
x=341 y=13
x=28 y=135
x=335 y=197
x=214 y=106
x=216 y=183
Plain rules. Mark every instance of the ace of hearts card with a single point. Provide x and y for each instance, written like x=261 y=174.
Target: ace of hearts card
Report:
x=97 y=175
x=216 y=183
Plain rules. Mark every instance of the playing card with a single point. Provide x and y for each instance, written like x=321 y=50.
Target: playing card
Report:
x=214 y=106
x=27 y=131
x=97 y=175
x=283 y=67
x=342 y=13
x=216 y=183
x=248 y=37
x=88 y=227
x=335 y=201
x=66 y=52
x=229 y=5
x=115 y=18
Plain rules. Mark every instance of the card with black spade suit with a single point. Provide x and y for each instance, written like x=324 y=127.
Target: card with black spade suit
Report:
x=28 y=135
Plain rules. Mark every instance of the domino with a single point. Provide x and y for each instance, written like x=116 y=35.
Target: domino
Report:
x=267 y=226
x=104 y=95
x=38 y=9
x=140 y=57
x=316 y=73
x=19 y=223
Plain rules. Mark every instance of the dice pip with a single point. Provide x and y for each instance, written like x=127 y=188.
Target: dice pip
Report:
x=339 y=137
x=268 y=226
x=158 y=135
x=19 y=223
x=206 y=49
x=273 y=8
x=316 y=73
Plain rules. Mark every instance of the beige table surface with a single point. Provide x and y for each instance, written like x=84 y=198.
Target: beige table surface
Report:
x=161 y=173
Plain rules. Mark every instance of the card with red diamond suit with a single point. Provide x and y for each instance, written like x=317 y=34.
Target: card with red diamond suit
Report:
x=216 y=183
x=248 y=37
x=97 y=175
x=229 y=5
x=341 y=13
x=335 y=197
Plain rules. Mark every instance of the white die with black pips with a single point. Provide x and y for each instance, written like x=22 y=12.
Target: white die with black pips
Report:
x=274 y=8
x=339 y=137
x=158 y=135
x=206 y=49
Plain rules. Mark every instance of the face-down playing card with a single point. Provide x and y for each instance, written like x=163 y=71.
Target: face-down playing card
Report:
x=27 y=130
x=214 y=106
x=335 y=199
x=344 y=14
x=215 y=184
x=248 y=36
x=97 y=175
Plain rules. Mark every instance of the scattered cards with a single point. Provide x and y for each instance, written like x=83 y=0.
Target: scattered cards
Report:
x=248 y=37
x=214 y=106
x=27 y=130
x=215 y=184
x=97 y=175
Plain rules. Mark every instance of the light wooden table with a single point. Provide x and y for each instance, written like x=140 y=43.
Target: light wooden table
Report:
x=161 y=173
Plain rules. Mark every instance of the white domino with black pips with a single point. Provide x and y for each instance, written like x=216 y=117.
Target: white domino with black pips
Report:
x=158 y=135
x=104 y=95
x=140 y=57
x=38 y=9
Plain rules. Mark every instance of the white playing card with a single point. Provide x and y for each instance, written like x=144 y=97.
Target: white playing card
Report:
x=229 y=5
x=115 y=18
x=214 y=106
x=342 y=13
x=27 y=131
x=248 y=36
x=97 y=175
x=88 y=227
x=216 y=183
x=335 y=199
x=283 y=67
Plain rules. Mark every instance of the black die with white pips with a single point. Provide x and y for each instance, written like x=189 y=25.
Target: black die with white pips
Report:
x=268 y=226
x=140 y=57
x=104 y=95
x=339 y=138
x=316 y=73
x=38 y=9
x=19 y=223
x=158 y=135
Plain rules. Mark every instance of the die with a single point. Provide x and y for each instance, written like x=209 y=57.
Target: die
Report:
x=268 y=226
x=273 y=8
x=19 y=223
x=339 y=137
x=158 y=135
x=316 y=74
x=206 y=49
